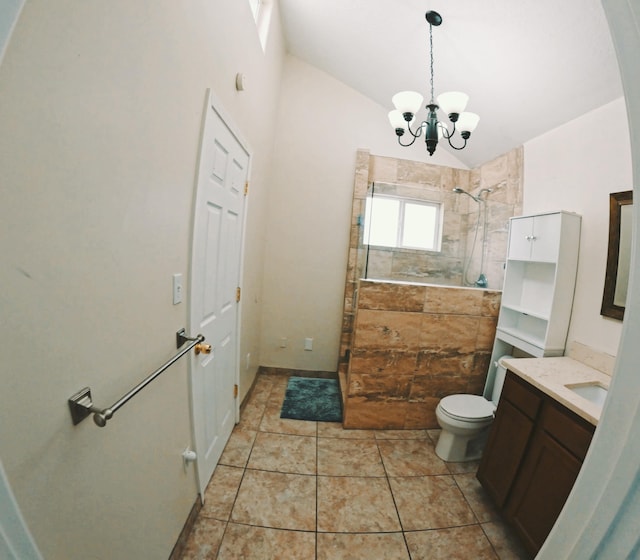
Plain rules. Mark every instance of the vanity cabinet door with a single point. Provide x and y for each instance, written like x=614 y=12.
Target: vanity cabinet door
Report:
x=541 y=489
x=507 y=443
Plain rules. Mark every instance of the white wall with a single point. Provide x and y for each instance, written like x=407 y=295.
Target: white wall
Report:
x=321 y=124
x=100 y=115
x=574 y=168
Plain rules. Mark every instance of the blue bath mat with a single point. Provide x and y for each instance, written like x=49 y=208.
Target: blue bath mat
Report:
x=312 y=398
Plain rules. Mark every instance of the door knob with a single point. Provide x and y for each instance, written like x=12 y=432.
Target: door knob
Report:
x=203 y=348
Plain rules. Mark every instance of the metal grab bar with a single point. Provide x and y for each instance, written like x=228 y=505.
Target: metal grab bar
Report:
x=81 y=404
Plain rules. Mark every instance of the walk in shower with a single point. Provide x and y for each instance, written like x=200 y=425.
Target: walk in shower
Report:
x=433 y=235
x=413 y=329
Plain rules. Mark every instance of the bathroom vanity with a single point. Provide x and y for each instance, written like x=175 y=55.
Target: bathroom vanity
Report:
x=543 y=427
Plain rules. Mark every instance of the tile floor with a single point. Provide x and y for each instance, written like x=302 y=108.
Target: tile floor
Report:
x=290 y=489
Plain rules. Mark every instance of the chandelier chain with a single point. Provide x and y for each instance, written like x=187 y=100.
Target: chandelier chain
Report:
x=431 y=53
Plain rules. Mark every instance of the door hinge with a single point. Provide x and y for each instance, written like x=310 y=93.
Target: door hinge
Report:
x=246 y=188
x=235 y=391
x=238 y=290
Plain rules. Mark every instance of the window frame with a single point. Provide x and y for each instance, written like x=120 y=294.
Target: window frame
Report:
x=403 y=201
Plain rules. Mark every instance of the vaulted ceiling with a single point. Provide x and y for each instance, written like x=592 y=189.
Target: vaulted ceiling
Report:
x=528 y=66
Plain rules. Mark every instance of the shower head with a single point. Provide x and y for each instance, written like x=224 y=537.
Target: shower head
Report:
x=462 y=191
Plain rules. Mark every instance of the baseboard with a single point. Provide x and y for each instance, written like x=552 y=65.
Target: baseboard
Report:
x=268 y=370
x=181 y=543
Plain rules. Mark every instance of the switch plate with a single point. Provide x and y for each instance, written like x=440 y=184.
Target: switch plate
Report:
x=308 y=343
x=177 y=289
x=283 y=342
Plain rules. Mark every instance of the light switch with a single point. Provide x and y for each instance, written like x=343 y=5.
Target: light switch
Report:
x=308 y=343
x=177 y=289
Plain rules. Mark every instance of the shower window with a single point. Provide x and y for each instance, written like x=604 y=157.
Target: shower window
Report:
x=398 y=222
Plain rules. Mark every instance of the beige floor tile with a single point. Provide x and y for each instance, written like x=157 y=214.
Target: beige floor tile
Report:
x=477 y=497
x=504 y=541
x=242 y=542
x=278 y=500
x=410 y=457
x=261 y=391
x=283 y=453
x=335 y=430
x=461 y=468
x=271 y=422
x=430 y=502
x=221 y=492
x=434 y=434
x=204 y=541
x=401 y=434
x=251 y=416
x=373 y=546
x=459 y=543
x=355 y=505
x=349 y=457
x=236 y=452
x=261 y=504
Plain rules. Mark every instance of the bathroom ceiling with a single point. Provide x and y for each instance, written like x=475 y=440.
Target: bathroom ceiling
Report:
x=528 y=66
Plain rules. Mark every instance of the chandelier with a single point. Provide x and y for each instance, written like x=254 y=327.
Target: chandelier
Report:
x=453 y=103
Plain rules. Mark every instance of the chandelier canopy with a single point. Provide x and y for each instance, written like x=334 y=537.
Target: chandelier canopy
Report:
x=453 y=103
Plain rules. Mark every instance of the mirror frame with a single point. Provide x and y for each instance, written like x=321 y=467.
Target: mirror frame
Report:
x=616 y=202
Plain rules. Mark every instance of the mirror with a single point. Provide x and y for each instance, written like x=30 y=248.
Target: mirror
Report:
x=619 y=255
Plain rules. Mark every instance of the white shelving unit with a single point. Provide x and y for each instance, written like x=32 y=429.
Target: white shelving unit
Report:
x=539 y=282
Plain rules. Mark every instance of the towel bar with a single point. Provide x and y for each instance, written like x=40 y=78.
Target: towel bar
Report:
x=81 y=404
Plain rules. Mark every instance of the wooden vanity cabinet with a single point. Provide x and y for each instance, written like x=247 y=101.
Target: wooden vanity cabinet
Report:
x=509 y=437
x=548 y=462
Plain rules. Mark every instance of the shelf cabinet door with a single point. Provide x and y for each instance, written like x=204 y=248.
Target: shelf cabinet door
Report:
x=520 y=238
x=545 y=242
x=504 y=451
x=535 y=238
x=545 y=480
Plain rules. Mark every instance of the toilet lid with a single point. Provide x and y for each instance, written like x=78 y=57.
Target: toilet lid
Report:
x=468 y=407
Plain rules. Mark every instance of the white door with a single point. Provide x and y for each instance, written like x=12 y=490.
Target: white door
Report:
x=16 y=542
x=215 y=279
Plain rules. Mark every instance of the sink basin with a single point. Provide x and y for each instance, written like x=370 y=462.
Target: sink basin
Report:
x=593 y=392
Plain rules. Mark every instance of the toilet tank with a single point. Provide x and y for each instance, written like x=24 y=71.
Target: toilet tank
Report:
x=498 y=380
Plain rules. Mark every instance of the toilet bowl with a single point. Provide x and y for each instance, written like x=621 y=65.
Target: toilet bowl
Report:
x=465 y=421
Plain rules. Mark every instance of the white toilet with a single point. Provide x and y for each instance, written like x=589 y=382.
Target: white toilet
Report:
x=465 y=420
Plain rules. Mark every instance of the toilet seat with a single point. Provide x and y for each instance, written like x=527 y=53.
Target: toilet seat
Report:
x=469 y=408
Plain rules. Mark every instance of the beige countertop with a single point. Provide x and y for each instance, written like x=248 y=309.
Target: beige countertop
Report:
x=552 y=375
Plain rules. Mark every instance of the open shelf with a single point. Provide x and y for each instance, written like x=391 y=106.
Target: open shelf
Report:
x=529 y=286
x=526 y=311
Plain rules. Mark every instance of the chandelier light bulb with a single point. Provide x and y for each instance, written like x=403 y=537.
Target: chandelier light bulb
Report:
x=453 y=102
x=407 y=102
x=467 y=122
x=397 y=120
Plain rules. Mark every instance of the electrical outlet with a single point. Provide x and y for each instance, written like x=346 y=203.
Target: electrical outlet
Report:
x=308 y=343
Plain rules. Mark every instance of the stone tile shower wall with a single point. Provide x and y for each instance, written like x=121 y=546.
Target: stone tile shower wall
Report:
x=412 y=345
